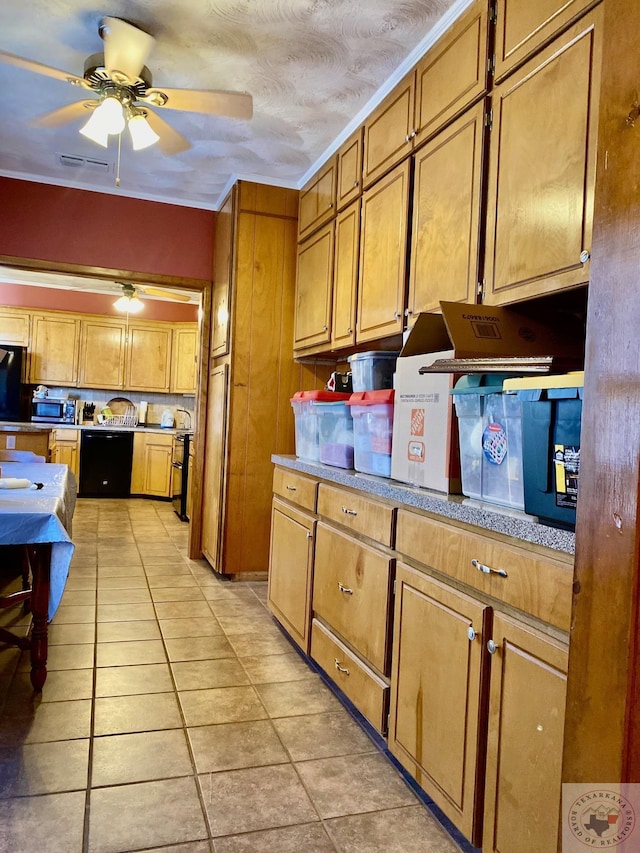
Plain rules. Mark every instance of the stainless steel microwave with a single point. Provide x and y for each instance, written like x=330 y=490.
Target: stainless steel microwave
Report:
x=53 y=410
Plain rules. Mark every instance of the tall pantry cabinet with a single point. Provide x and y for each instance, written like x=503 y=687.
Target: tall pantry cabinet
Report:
x=252 y=375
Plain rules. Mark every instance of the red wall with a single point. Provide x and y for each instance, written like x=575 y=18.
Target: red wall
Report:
x=68 y=226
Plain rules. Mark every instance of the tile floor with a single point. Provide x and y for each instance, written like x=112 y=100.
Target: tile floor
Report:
x=176 y=717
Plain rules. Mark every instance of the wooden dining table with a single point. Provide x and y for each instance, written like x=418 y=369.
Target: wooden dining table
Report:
x=38 y=523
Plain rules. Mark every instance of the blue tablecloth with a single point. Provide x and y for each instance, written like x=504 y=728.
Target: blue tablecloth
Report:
x=28 y=516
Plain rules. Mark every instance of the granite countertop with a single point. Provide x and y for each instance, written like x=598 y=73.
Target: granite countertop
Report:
x=456 y=507
x=28 y=426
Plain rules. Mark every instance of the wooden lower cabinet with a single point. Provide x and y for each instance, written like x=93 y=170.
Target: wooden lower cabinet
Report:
x=435 y=725
x=291 y=570
x=151 y=470
x=525 y=736
x=64 y=449
x=37 y=442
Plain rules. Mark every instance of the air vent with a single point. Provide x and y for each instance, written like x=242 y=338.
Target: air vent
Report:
x=84 y=162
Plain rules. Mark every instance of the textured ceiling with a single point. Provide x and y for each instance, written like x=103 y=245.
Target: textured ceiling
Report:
x=313 y=67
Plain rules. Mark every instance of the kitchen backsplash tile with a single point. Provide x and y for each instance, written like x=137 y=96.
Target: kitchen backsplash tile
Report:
x=156 y=402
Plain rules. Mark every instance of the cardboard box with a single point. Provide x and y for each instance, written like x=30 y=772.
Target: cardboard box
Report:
x=425 y=448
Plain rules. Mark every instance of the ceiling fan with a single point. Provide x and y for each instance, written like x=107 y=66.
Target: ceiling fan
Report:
x=121 y=93
x=129 y=302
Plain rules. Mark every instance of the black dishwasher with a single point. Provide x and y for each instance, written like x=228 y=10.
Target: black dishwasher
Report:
x=105 y=464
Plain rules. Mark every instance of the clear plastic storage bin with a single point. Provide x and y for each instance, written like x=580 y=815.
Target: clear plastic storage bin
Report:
x=372 y=371
x=490 y=435
x=372 y=413
x=304 y=404
x=335 y=429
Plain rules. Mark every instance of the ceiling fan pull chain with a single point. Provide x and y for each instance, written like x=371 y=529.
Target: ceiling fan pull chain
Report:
x=118 y=165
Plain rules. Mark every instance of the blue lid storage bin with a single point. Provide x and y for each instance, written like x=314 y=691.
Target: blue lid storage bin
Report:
x=372 y=413
x=551 y=424
x=372 y=371
x=490 y=436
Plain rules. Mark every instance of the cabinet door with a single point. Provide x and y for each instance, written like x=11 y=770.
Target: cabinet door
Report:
x=64 y=449
x=14 y=327
x=214 y=467
x=388 y=132
x=314 y=282
x=54 y=349
x=524 y=749
x=345 y=276
x=317 y=200
x=291 y=570
x=383 y=256
x=446 y=216
x=453 y=74
x=157 y=468
x=102 y=353
x=222 y=275
x=523 y=27
x=350 y=170
x=434 y=724
x=185 y=359
x=148 y=358
x=539 y=215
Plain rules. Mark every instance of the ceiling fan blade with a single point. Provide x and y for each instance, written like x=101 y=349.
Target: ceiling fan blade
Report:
x=233 y=104
x=166 y=294
x=64 y=115
x=170 y=142
x=126 y=48
x=39 y=68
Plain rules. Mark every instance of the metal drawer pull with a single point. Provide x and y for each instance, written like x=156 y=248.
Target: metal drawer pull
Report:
x=348 y=511
x=491 y=647
x=471 y=634
x=291 y=489
x=487 y=569
x=341 y=668
x=309 y=535
x=344 y=589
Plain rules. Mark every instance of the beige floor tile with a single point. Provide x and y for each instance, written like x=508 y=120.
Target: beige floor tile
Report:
x=80 y=582
x=140 y=757
x=206 y=626
x=191 y=847
x=261 y=622
x=266 y=669
x=44 y=768
x=129 y=595
x=403 y=830
x=71 y=634
x=230 y=746
x=61 y=685
x=78 y=597
x=231 y=592
x=143 y=713
x=203 y=674
x=125 y=612
x=183 y=610
x=132 y=680
x=120 y=570
x=116 y=632
x=233 y=607
x=177 y=593
x=287 y=699
x=135 y=582
x=64 y=657
x=53 y=823
x=250 y=645
x=253 y=799
x=171 y=580
x=47 y=721
x=148 y=814
x=221 y=705
x=330 y=783
x=198 y=648
x=322 y=735
x=130 y=653
x=73 y=613
x=308 y=838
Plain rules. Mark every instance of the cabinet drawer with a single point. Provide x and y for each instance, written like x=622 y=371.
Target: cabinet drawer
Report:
x=538 y=584
x=296 y=488
x=360 y=514
x=352 y=592
x=368 y=692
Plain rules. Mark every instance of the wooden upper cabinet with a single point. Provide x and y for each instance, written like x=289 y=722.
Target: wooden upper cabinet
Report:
x=317 y=203
x=345 y=276
x=383 y=256
x=314 y=282
x=350 y=170
x=542 y=169
x=453 y=73
x=15 y=327
x=55 y=345
x=446 y=215
x=522 y=27
x=222 y=274
x=102 y=353
x=214 y=477
x=387 y=131
x=148 y=363
x=184 y=367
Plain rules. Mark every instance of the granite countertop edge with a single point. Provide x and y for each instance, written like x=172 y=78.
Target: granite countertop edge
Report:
x=456 y=507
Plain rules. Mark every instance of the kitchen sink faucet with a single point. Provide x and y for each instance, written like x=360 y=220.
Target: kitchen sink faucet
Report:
x=188 y=414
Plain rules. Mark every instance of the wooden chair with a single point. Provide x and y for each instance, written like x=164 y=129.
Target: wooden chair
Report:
x=20 y=456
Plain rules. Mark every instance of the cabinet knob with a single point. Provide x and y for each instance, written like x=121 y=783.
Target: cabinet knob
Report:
x=407 y=138
x=487 y=570
x=355 y=184
x=309 y=534
x=347 y=511
x=491 y=647
x=396 y=316
x=471 y=634
x=408 y=312
x=325 y=328
x=341 y=668
x=344 y=589
x=413 y=134
x=584 y=256
x=349 y=331
x=330 y=205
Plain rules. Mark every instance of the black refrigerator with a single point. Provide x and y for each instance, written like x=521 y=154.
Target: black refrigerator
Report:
x=14 y=394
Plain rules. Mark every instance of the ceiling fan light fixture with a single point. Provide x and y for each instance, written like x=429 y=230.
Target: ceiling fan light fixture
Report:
x=95 y=130
x=129 y=302
x=106 y=119
x=142 y=134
